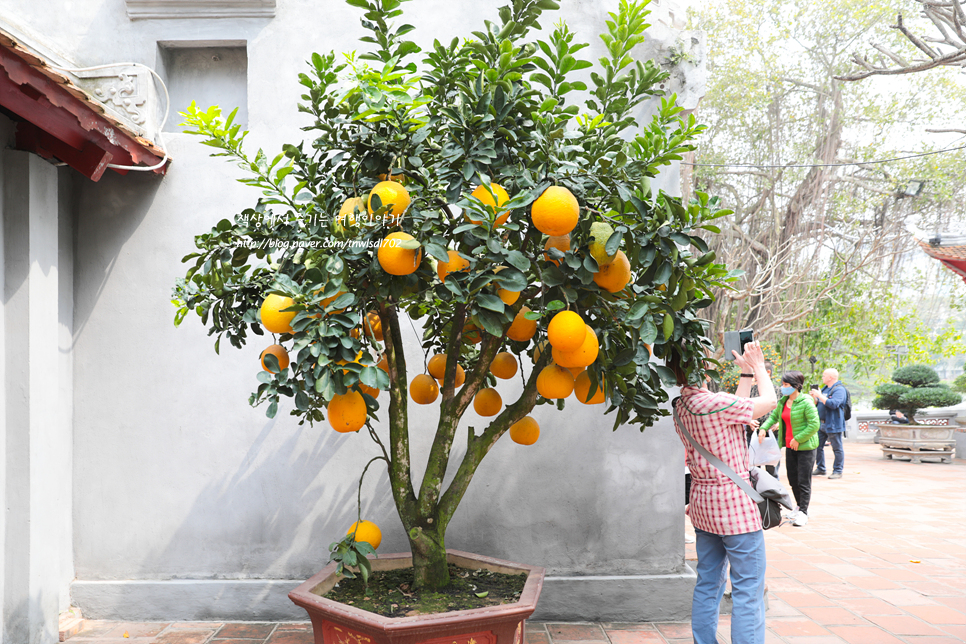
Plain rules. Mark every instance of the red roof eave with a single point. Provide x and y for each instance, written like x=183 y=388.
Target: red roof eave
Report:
x=57 y=120
x=952 y=257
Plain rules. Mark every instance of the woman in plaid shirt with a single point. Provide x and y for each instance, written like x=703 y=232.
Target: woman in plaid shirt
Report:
x=726 y=521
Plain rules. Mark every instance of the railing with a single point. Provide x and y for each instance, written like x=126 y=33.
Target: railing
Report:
x=939 y=417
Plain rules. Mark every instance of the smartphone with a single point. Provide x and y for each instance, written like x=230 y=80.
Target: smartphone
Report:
x=814 y=387
x=736 y=341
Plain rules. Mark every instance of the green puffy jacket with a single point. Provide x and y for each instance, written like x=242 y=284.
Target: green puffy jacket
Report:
x=804 y=422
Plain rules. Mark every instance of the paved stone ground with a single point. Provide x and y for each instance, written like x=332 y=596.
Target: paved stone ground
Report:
x=881 y=561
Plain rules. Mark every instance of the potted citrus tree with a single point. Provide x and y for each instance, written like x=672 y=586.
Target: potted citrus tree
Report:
x=466 y=191
x=915 y=387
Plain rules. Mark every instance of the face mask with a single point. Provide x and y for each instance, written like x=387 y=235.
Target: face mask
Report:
x=787 y=391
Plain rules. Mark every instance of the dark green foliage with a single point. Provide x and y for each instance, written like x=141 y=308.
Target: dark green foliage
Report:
x=959 y=384
x=915 y=375
x=916 y=387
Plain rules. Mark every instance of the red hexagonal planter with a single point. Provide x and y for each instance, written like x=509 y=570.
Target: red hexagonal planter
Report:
x=335 y=623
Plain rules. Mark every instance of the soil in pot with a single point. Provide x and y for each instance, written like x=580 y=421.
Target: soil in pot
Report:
x=391 y=592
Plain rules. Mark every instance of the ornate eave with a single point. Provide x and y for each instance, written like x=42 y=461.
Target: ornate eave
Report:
x=952 y=255
x=87 y=121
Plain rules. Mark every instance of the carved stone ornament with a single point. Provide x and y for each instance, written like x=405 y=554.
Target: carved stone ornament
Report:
x=157 y=9
x=123 y=90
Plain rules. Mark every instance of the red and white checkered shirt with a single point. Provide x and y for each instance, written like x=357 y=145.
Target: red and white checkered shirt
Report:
x=717 y=504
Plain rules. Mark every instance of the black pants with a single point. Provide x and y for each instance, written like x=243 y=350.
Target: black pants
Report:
x=799 y=465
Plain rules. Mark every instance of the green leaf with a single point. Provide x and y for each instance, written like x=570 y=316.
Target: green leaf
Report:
x=438 y=251
x=492 y=303
x=637 y=310
x=491 y=322
x=518 y=260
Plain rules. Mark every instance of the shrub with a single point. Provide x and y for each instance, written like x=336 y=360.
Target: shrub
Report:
x=959 y=384
x=915 y=387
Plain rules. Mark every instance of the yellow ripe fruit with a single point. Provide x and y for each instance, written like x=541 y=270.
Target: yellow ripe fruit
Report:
x=372 y=326
x=504 y=365
x=566 y=331
x=575 y=371
x=383 y=363
x=455 y=264
x=483 y=195
x=350 y=207
x=600 y=232
x=368 y=532
x=273 y=317
x=366 y=389
x=582 y=357
x=460 y=378
x=280 y=354
x=522 y=329
x=614 y=277
x=396 y=260
x=487 y=402
x=525 y=431
x=347 y=412
x=555 y=212
x=509 y=297
x=390 y=192
x=437 y=365
x=423 y=389
x=329 y=300
x=561 y=243
x=471 y=334
x=582 y=390
x=555 y=382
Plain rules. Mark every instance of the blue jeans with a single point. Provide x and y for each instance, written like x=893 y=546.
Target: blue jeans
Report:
x=835 y=438
x=746 y=554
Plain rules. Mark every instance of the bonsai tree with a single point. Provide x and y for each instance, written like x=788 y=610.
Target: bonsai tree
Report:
x=913 y=388
x=959 y=384
x=467 y=192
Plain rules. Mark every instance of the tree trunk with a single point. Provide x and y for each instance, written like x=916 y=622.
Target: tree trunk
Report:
x=429 y=558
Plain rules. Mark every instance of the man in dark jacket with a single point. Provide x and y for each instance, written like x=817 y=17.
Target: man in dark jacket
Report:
x=831 y=412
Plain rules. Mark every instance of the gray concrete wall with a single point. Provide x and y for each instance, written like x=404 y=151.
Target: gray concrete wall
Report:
x=37 y=552
x=188 y=504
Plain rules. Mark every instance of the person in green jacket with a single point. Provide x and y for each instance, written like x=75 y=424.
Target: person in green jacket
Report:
x=796 y=423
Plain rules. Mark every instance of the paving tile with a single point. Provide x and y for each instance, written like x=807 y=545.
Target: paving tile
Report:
x=236 y=641
x=674 y=630
x=136 y=630
x=93 y=628
x=838 y=591
x=870 y=606
x=243 y=630
x=585 y=632
x=636 y=637
x=536 y=637
x=196 y=625
x=291 y=637
x=935 y=640
x=792 y=627
x=959 y=603
x=804 y=598
x=904 y=625
x=628 y=626
x=875 y=583
x=185 y=636
x=902 y=597
x=778 y=608
x=815 y=639
x=864 y=635
x=833 y=615
x=294 y=626
x=535 y=627
x=938 y=614
x=956 y=630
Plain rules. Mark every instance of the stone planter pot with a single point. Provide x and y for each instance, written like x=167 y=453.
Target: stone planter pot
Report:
x=335 y=623
x=917 y=442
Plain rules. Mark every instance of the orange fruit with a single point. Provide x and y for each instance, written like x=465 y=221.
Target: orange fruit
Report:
x=483 y=195
x=575 y=371
x=560 y=242
x=460 y=378
x=582 y=357
x=356 y=333
x=455 y=264
x=566 y=331
x=347 y=412
x=582 y=390
x=383 y=363
x=329 y=300
x=471 y=334
x=504 y=365
x=401 y=178
x=555 y=212
x=423 y=389
x=390 y=192
x=351 y=207
x=366 y=389
x=522 y=329
x=273 y=318
x=487 y=402
x=437 y=365
x=614 y=276
x=525 y=431
x=509 y=297
x=396 y=260
x=366 y=531
x=372 y=325
x=280 y=354
x=555 y=382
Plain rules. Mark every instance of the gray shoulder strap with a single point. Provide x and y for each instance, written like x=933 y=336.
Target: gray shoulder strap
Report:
x=714 y=460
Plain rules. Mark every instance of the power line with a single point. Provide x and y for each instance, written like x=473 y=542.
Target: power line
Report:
x=818 y=165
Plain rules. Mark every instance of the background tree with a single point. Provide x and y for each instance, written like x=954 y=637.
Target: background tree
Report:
x=821 y=232
x=521 y=208
x=913 y=388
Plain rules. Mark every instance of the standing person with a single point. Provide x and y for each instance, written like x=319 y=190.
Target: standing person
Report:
x=831 y=412
x=797 y=421
x=726 y=521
